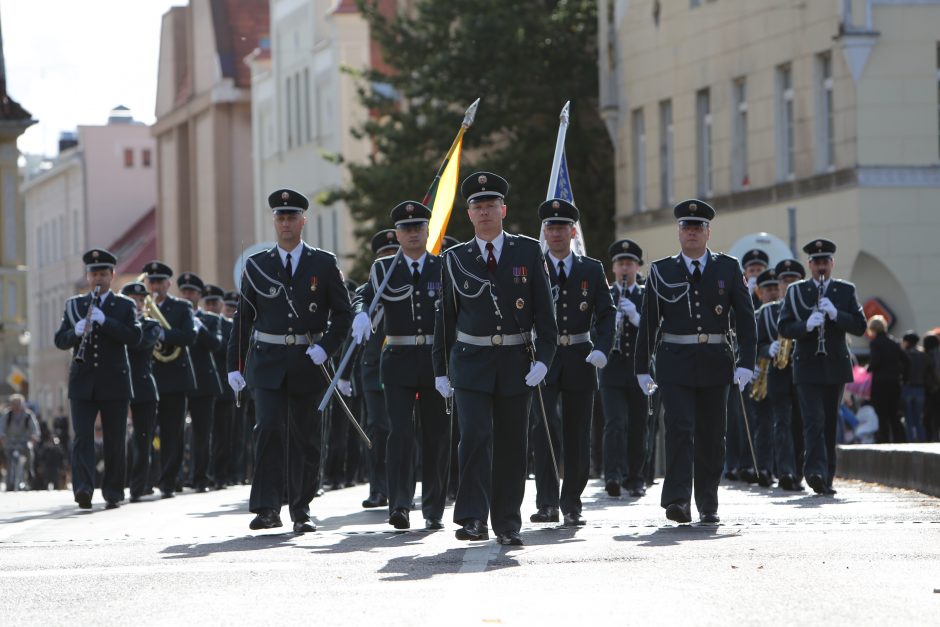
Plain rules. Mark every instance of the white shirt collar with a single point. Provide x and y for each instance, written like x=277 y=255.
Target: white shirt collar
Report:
x=497 y=245
x=701 y=262
x=294 y=255
x=408 y=261
x=568 y=261
x=103 y=298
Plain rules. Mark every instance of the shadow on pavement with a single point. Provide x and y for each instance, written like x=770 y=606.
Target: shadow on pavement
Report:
x=240 y=508
x=377 y=516
x=245 y=543
x=674 y=536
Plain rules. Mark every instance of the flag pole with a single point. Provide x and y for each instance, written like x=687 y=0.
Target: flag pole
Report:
x=559 y=151
x=468 y=117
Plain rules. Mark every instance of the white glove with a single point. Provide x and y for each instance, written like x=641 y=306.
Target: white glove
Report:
x=442 y=385
x=98 y=316
x=774 y=348
x=361 y=327
x=596 y=359
x=742 y=376
x=317 y=355
x=537 y=372
x=751 y=282
x=80 y=327
x=828 y=308
x=162 y=335
x=236 y=381
x=647 y=385
x=816 y=319
x=344 y=387
x=627 y=306
x=198 y=325
x=635 y=319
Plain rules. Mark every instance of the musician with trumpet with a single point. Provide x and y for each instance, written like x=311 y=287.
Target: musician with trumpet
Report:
x=768 y=290
x=172 y=368
x=817 y=313
x=98 y=327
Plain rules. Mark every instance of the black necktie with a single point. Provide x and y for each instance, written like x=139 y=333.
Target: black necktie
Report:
x=289 y=267
x=491 y=258
x=562 y=275
x=415 y=275
x=697 y=273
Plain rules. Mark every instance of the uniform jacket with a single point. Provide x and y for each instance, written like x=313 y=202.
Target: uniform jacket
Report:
x=582 y=305
x=177 y=376
x=368 y=360
x=619 y=371
x=517 y=299
x=106 y=372
x=208 y=341
x=672 y=304
x=313 y=301
x=141 y=359
x=798 y=303
x=219 y=356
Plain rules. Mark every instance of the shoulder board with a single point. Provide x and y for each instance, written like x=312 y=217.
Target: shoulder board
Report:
x=664 y=260
x=523 y=238
x=593 y=261
x=129 y=300
x=259 y=254
x=322 y=253
x=845 y=283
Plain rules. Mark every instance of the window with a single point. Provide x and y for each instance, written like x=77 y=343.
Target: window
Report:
x=786 y=166
x=695 y=3
x=825 y=136
x=938 y=96
x=289 y=118
x=639 y=162
x=11 y=300
x=703 y=143
x=739 y=174
x=145 y=157
x=309 y=135
x=297 y=109
x=666 y=193
x=319 y=238
x=128 y=157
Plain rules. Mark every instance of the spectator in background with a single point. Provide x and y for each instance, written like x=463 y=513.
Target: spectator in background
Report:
x=913 y=394
x=932 y=388
x=886 y=367
x=19 y=432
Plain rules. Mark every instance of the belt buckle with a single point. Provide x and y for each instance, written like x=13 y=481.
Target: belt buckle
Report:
x=290 y=340
x=564 y=340
x=497 y=340
x=703 y=338
x=420 y=340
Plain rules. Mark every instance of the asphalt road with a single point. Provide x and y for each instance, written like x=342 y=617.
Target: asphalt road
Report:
x=871 y=555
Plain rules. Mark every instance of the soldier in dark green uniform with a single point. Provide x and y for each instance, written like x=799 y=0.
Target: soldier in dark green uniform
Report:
x=582 y=306
x=626 y=420
x=98 y=328
x=223 y=412
x=768 y=289
x=144 y=404
x=293 y=314
x=173 y=370
x=208 y=385
x=690 y=302
x=408 y=301
x=495 y=295
x=817 y=313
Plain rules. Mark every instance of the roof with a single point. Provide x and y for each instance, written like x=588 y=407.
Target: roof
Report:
x=137 y=245
x=10 y=110
x=240 y=26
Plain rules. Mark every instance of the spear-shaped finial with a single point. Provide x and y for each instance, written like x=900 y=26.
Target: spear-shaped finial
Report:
x=471 y=113
x=564 y=113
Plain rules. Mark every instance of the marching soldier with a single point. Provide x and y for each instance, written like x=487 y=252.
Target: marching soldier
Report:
x=789 y=271
x=208 y=386
x=625 y=410
x=817 y=313
x=495 y=294
x=406 y=369
x=582 y=304
x=98 y=327
x=293 y=314
x=691 y=300
x=223 y=413
x=754 y=262
x=768 y=288
x=244 y=417
x=144 y=403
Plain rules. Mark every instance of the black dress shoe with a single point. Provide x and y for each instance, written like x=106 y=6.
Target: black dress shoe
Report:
x=111 y=505
x=765 y=479
x=574 y=519
x=613 y=488
x=545 y=514
x=202 y=489
x=731 y=474
x=83 y=498
x=399 y=519
x=473 y=530
x=304 y=526
x=679 y=512
x=709 y=518
x=375 y=500
x=817 y=483
x=638 y=490
x=510 y=538
x=267 y=519
x=829 y=490
x=433 y=524
x=748 y=474
x=135 y=498
x=166 y=495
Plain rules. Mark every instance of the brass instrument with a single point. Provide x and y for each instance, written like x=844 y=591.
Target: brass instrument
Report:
x=821 y=343
x=759 y=387
x=80 y=353
x=782 y=358
x=162 y=353
x=619 y=323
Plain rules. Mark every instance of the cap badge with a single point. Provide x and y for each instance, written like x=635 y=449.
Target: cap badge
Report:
x=389 y=236
x=153 y=267
x=786 y=264
x=409 y=208
x=95 y=254
x=626 y=245
x=819 y=244
x=481 y=179
x=556 y=205
x=693 y=207
x=285 y=195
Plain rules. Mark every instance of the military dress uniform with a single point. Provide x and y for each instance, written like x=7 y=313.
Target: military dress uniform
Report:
x=784 y=395
x=489 y=308
x=175 y=379
x=820 y=377
x=286 y=315
x=144 y=404
x=244 y=416
x=582 y=305
x=99 y=382
x=223 y=414
x=693 y=311
x=407 y=374
x=764 y=432
x=626 y=419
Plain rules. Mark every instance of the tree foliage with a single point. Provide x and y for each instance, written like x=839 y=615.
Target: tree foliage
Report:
x=524 y=59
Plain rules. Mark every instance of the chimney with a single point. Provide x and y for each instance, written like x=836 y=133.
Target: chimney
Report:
x=67 y=139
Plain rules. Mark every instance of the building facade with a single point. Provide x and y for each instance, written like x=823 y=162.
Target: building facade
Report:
x=800 y=119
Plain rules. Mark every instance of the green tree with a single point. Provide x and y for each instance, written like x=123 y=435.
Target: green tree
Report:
x=524 y=59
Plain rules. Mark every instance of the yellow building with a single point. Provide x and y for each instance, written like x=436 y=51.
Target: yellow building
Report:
x=801 y=119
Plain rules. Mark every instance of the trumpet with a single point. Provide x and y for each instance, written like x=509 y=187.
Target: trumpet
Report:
x=162 y=353
x=80 y=353
x=759 y=387
x=782 y=359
